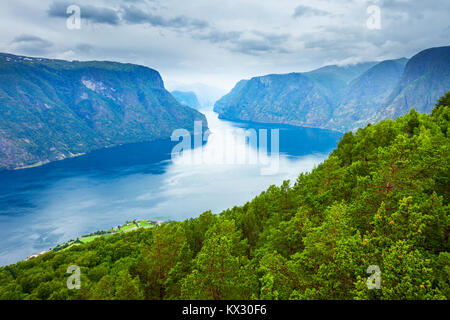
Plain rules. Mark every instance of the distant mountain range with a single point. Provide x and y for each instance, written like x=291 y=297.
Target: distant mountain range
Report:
x=187 y=98
x=54 y=109
x=207 y=95
x=342 y=97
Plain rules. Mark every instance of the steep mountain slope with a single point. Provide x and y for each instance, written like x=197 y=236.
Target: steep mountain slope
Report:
x=364 y=96
x=54 y=109
x=291 y=98
x=304 y=99
x=426 y=78
x=232 y=99
x=335 y=79
x=187 y=98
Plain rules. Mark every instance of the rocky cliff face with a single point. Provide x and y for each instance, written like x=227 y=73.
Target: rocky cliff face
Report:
x=293 y=98
x=425 y=79
x=304 y=99
x=365 y=95
x=54 y=109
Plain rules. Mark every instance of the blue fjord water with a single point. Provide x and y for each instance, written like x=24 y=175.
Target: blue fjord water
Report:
x=43 y=206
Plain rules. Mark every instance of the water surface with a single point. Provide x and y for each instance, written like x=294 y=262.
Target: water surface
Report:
x=41 y=207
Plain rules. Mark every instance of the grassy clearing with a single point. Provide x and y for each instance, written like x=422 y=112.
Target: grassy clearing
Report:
x=126 y=227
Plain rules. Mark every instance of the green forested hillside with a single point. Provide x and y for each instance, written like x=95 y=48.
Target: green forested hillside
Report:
x=54 y=109
x=380 y=199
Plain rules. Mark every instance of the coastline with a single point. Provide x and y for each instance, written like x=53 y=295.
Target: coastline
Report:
x=75 y=155
x=43 y=163
x=274 y=123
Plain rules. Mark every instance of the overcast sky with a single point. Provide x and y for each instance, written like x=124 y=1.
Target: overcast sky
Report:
x=221 y=42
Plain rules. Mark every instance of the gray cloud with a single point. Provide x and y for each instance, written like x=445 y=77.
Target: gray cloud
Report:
x=216 y=36
x=254 y=46
x=88 y=12
x=27 y=38
x=418 y=6
x=30 y=44
x=263 y=43
x=273 y=38
x=129 y=14
x=200 y=41
x=134 y=15
x=84 y=48
x=251 y=43
x=303 y=11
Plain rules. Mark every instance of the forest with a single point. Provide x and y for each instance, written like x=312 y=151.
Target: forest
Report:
x=380 y=199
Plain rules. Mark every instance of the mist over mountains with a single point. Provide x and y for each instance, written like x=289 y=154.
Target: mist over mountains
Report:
x=207 y=95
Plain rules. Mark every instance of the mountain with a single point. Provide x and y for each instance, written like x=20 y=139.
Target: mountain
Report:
x=54 y=109
x=379 y=202
x=425 y=79
x=187 y=98
x=290 y=98
x=363 y=97
x=303 y=99
x=207 y=95
x=342 y=97
x=335 y=79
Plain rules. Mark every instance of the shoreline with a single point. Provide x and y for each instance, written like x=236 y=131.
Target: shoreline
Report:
x=274 y=123
x=76 y=155
x=43 y=163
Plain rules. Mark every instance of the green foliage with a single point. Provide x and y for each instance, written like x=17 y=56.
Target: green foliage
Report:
x=380 y=199
x=444 y=100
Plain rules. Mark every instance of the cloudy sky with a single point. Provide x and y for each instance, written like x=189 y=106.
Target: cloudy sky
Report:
x=220 y=42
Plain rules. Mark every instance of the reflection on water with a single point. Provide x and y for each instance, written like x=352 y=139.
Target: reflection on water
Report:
x=44 y=206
